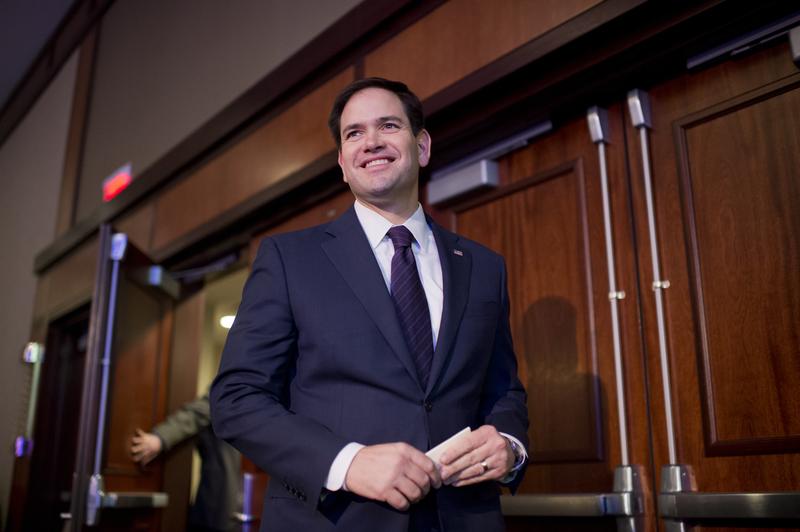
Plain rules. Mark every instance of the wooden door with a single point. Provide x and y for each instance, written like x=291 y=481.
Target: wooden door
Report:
x=725 y=150
x=546 y=219
x=53 y=457
x=135 y=318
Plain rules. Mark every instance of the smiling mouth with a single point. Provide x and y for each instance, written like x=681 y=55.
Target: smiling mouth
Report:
x=376 y=162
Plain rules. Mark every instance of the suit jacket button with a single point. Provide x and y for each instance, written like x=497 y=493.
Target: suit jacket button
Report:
x=428 y=406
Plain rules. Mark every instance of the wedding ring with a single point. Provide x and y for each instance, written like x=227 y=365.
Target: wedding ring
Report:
x=485 y=466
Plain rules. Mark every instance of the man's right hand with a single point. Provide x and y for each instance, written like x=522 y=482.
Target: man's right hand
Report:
x=145 y=446
x=395 y=473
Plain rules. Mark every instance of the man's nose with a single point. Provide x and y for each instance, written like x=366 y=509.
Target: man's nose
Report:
x=372 y=140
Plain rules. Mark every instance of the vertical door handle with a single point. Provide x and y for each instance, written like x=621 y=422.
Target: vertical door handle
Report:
x=597 y=119
x=630 y=520
x=639 y=108
x=246 y=515
x=33 y=354
x=94 y=501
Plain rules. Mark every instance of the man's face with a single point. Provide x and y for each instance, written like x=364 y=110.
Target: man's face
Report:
x=380 y=156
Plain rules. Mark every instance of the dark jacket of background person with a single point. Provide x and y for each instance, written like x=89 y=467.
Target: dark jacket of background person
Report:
x=218 y=492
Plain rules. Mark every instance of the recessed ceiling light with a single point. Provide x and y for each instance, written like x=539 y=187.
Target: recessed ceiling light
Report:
x=227 y=321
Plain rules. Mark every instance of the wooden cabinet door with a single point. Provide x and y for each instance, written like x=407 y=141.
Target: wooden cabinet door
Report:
x=546 y=219
x=725 y=154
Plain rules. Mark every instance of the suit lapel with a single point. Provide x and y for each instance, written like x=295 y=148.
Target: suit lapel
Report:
x=351 y=255
x=456 y=270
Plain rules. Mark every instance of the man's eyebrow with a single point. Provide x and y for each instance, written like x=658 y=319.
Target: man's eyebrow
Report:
x=379 y=120
x=390 y=118
x=348 y=127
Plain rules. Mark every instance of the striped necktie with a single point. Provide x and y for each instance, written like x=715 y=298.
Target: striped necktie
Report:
x=410 y=302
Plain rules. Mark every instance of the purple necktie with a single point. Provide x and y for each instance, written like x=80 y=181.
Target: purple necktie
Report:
x=410 y=302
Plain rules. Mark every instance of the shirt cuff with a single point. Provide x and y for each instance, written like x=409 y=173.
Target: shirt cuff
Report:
x=520 y=459
x=340 y=465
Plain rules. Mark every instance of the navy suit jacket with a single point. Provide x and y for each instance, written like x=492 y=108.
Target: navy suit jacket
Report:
x=316 y=359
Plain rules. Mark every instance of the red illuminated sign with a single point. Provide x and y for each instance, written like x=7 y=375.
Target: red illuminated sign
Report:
x=117 y=182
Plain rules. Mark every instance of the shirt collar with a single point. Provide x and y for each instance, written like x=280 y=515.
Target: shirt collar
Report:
x=375 y=226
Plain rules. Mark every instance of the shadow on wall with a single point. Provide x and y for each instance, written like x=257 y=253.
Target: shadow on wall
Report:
x=564 y=393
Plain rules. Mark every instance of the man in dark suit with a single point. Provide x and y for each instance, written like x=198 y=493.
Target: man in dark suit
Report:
x=362 y=343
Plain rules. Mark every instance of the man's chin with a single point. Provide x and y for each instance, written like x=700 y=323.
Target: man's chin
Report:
x=380 y=202
x=389 y=195
x=383 y=194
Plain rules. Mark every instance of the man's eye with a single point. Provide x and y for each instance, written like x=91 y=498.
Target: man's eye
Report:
x=351 y=134
x=390 y=125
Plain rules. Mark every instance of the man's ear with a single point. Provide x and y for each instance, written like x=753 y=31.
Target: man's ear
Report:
x=424 y=147
x=344 y=174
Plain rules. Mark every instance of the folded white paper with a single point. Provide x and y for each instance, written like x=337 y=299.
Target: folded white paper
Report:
x=437 y=451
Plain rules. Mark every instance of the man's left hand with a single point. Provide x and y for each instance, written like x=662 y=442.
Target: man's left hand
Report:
x=483 y=454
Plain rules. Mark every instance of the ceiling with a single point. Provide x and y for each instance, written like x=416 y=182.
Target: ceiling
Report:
x=25 y=28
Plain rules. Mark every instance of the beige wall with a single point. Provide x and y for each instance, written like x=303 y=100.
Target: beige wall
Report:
x=31 y=164
x=165 y=68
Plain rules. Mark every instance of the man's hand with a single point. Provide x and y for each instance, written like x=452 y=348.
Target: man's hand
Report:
x=145 y=446
x=395 y=473
x=483 y=454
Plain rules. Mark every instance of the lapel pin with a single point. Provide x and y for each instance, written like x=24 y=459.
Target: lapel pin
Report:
x=458 y=252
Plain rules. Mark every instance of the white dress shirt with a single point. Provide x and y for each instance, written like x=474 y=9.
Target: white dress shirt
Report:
x=429 y=267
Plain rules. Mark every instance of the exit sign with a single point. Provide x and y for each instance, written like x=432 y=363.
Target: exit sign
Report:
x=117 y=182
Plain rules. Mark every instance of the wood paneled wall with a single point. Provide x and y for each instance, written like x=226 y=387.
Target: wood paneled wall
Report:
x=139 y=224
x=186 y=344
x=327 y=210
x=462 y=36
x=67 y=285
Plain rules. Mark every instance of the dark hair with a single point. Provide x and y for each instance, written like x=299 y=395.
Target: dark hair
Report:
x=411 y=104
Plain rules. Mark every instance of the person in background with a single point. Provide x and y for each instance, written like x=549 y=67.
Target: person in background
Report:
x=218 y=490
